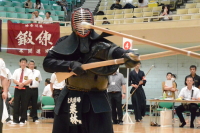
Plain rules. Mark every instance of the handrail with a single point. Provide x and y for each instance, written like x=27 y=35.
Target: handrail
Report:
x=68 y=23
x=153 y=17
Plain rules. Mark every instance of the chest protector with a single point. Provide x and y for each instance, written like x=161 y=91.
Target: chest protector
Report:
x=97 y=78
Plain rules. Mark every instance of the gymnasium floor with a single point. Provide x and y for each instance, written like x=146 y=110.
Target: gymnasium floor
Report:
x=45 y=126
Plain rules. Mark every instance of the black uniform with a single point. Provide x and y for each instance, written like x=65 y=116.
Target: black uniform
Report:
x=83 y=105
x=138 y=98
x=117 y=6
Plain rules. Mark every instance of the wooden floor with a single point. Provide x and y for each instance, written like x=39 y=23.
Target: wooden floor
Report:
x=45 y=126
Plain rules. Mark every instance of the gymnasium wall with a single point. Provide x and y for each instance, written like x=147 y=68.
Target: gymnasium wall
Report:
x=178 y=65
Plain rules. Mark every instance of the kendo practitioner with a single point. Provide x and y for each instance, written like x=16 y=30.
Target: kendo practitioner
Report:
x=137 y=80
x=83 y=105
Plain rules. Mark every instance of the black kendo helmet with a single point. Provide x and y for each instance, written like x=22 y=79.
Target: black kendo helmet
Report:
x=81 y=15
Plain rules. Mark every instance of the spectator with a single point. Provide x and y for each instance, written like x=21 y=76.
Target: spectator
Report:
x=100 y=13
x=143 y=3
x=196 y=77
x=165 y=12
x=189 y=92
x=174 y=78
x=105 y=22
x=116 y=5
x=32 y=91
x=28 y=4
x=128 y=6
x=38 y=5
x=36 y=18
x=48 y=19
x=116 y=91
x=56 y=86
x=47 y=90
x=63 y=4
x=22 y=77
x=168 y=86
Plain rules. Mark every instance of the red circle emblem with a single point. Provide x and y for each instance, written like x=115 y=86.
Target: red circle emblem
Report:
x=127 y=45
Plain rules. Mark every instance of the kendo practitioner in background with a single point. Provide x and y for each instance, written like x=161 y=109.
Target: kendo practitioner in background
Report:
x=3 y=88
x=83 y=105
x=137 y=80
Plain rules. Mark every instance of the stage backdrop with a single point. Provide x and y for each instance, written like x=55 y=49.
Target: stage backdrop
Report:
x=32 y=39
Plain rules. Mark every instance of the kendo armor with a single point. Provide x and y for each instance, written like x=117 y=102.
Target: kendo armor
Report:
x=95 y=79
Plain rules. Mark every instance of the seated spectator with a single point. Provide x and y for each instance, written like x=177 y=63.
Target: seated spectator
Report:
x=38 y=5
x=169 y=87
x=165 y=12
x=105 y=22
x=129 y=6
x=116 y=5
x=48 y=19
x=174 y=78
x=100 y=13
x=36 y=17
x=28 y=4
x=47 y=90
x=189 y=92
x=142 y=3
x=63 y=4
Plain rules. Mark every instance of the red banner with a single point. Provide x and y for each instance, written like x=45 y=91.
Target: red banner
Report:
x=32 y=39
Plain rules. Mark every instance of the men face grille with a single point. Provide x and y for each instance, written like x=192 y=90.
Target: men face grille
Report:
x=79 y=16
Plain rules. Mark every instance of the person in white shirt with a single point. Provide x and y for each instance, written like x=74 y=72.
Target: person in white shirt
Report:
x=9 y=77
x=36 y=18
x=3 y=88
x=56 y=87
x=48 y=19
x=32 y=91
x=142 y=3
x=47 y=90
x=189 y=92
x=38 y=5
x=22 y=77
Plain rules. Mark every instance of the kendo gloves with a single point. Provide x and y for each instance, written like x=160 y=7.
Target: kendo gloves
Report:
x=130 y=59
x=76 y=68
